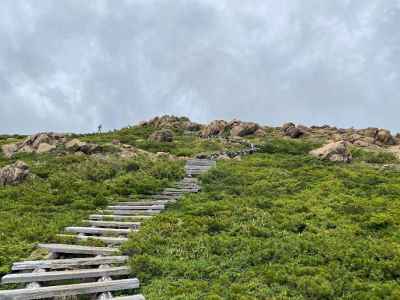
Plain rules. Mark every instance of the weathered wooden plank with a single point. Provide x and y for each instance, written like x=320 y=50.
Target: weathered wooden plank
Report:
x=134 y=297
x=76 y=249
x=64 y=275
x=69 y=290
x=119 y=217
x=55 y=264
x=105 y=239
x=98 y=230
x=114 y=224
x=148 y=202
x=137 y=207
x=130 y=212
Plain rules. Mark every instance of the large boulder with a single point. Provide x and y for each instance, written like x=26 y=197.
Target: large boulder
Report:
x=337 y=151
x=75 y=145
x=172 y=122
x=215 y=128
x=290 y=130
x=239 y=128
x=384 y=137
x=13 y=174
x=38 y=143
x=162 y=136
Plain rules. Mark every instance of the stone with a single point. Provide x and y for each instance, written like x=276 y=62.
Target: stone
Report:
x=385 y=137
x=243 y=128
x=14 y=174
x=288 y=125
x=337 y=152
x=44 y=148
x=294 y=132
x=215 y=128
x=74 y=145
x=162 y=136
x=9 y=150
x=260 y=133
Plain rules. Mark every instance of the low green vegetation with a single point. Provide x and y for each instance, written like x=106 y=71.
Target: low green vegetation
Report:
x=64 y=189
x=277 y=225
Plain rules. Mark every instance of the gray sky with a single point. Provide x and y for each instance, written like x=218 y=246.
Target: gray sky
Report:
x=70 y=65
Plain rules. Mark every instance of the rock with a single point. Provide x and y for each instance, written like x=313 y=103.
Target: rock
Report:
x=89 y=148
x=385 y=137
x=290 y=129
x=337 y=151
x=34 y=142
x=215 y=128
x=172 y=122
x=243 y=128
x=74 y=145
x=162 y=136
x=13 y=174
x=9 y=150
x=362 y=143
x=260 y=133
x=288 y=125
x=294 y=132
x=44 y=148
x=191 y=126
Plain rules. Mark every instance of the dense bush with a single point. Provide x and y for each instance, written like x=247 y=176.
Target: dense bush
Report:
x=279 y=225
x=63 y=189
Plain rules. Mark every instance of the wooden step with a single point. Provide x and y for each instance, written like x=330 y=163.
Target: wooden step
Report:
x=76 y=249
x=130 y=212
x=114 y=224
x=70 y=290
x=119 y=217
x=55 y=264
x=98 y=230
x=149 y=202
x=64 y=275
x=134 y=297
x=105 y=239
x=137 y=207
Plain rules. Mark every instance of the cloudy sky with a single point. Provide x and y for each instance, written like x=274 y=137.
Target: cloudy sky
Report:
x=69 y=65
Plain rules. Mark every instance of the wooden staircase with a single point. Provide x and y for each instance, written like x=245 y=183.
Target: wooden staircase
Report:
x=98 y=271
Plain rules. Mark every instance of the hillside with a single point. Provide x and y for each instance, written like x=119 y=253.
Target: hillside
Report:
x=278 y=224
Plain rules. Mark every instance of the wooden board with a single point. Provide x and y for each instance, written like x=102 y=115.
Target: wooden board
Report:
x=69 y=290
x=130 y=212
x=114 y=224
x=98 y=230
x=76 y=249
x=105 y=239
x=137 y=207
x=55 y=264
x=134 y=297
x=64 y=275
x=119 y=217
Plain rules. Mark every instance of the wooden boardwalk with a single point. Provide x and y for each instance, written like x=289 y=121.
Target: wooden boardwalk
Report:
x=96 y=271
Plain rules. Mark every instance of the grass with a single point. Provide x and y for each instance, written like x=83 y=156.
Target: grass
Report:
x=65 y=189
x=277 y=225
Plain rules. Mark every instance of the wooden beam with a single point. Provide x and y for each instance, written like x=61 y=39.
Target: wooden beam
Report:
x=69 y=290
x=55 y=264
x=114 y=224
x=119 y=217
x=98 y=230
x=137 y=207
x=64 y=275
x=130 y=212
x=134 y=297
x=76 y=249
x=105 y=239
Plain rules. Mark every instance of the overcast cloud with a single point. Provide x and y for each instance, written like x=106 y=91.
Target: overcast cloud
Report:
x=71 y=65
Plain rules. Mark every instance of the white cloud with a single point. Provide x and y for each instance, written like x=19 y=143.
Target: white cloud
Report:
x=69 y=65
